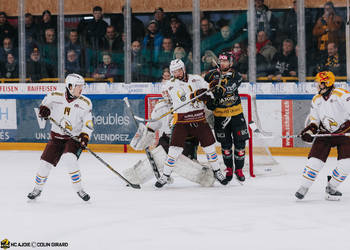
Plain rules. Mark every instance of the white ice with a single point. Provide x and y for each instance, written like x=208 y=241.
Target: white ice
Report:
x=263 y=214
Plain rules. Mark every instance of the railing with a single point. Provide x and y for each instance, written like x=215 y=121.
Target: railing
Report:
x=295 y=79
x=50 y=80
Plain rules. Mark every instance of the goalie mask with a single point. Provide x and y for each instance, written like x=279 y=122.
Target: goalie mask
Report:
x=73 y=80
x=175 y=66
x=325 y=80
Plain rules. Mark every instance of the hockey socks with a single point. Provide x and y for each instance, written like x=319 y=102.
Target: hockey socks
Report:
x=212 y=158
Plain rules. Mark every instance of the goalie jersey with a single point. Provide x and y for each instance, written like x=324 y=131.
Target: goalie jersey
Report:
x=332 y=115
x=74 y=115
x=164 y=124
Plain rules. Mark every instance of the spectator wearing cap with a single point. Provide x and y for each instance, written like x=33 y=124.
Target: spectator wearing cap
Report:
x=6 y=29
x=162 y=20
x=46 y=22
x=137 y=26
x=179 y=34
x=7 y=48
x=36 y=68
x=151 y=47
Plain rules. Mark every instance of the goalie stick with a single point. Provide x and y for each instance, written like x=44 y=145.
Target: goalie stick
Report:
x=148 y=152
x=256 y=130
x=94 y=154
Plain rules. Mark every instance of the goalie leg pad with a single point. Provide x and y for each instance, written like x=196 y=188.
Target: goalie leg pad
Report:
x=143 y=138
x=42 y=174
x=311 y=170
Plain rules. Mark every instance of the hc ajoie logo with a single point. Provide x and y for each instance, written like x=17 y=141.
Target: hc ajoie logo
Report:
x=5 y=244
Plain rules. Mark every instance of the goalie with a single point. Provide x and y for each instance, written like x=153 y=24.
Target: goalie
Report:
x=144 y=137
x=330 y=113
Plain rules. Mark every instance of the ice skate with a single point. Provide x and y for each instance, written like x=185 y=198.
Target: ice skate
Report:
x=220 y=177
x=229 y=174
x=300 y=194
x=239 y=174
x=34 y=194
x=82 y=194
x=332 y=194
x=162 y=181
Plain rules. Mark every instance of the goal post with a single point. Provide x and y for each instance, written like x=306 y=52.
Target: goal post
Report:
x=259 y=160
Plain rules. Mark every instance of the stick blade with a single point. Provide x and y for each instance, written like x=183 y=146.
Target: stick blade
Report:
x=136 y=186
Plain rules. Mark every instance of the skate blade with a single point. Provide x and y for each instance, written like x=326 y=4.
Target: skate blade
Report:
x=332 y=197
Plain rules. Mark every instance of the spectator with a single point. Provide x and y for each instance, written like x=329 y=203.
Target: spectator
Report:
x=36 y=68
x=166 y=75
x=265 y=20
x=151 y=47
x=264 y=46
x=262 y=66
x=72 y=64
x=333 y=61
x=49 y=52
x=95 y=29
x=163 y=23
x=74 y=44
x=11 y=67
x=289 y=23
x=209 y=61
x=6 y=29
x=107 y=69
x=165 y=55
x=137 y=26
x=111 y=42
x=328 y=28
x=46 y=22
x=240 y=58
x=137 y=62
x=284 y=63
x=180 y=53
x=32 y=29
x=179 y=35
x=206 y=29
x=6 y=49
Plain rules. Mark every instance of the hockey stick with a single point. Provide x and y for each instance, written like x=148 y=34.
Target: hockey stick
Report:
x=256 y=130
x=137 y=186
x=148 y=153
x=172 y=110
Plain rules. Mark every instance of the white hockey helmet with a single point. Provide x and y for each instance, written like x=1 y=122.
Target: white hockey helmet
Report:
x=73 y=80
x=175 y=65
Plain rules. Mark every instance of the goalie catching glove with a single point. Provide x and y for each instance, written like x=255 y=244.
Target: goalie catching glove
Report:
x=306 y=134
x=143 y=138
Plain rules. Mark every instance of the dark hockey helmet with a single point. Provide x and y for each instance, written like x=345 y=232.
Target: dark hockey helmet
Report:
x=223 y=56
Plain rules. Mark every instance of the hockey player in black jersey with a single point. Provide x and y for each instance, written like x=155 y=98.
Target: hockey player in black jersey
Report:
x=230 y=126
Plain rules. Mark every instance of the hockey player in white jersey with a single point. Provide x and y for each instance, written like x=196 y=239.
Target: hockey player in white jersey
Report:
x=188 y=120
x=330 y=114
x=73 y=111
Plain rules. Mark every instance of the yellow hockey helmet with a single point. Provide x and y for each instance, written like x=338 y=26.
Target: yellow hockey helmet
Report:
x=326 y=77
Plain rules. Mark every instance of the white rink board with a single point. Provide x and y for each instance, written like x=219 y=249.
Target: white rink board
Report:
x=260 y=215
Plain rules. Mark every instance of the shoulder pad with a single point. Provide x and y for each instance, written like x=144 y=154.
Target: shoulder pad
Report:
x=85 y=99
x=315 y=98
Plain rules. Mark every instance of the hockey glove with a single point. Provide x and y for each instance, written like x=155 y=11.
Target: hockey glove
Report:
x=44 y=112
x=213 y=83
x=306 y=134
x=84 y=140
x=198 y=92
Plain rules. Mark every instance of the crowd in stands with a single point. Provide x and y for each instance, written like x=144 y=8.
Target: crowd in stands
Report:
x=95 y=48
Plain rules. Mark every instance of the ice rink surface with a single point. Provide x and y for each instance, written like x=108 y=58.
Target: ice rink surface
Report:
x=263 y=214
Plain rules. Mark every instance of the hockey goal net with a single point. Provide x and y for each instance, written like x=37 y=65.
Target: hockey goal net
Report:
x=259 y=160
